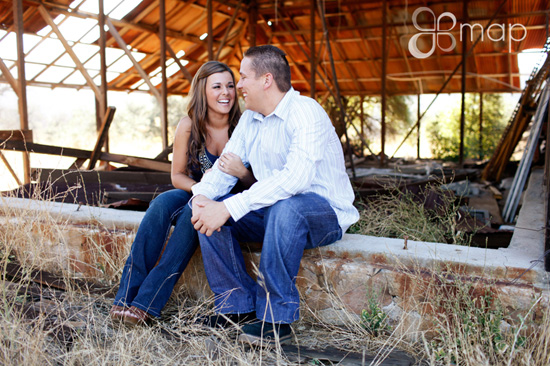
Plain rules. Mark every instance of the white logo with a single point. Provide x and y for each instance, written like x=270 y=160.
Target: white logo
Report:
x=436 y=32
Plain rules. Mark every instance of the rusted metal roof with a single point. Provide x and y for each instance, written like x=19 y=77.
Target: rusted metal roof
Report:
x=355 y=30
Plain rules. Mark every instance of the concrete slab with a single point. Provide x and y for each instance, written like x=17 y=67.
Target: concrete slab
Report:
x=338 y=276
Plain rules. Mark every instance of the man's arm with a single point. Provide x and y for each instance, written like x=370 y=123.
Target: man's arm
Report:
x=311 y=130
x=216 y=184
x=209 y=215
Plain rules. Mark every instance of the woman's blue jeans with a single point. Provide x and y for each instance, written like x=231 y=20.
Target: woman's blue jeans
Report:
x=144 y=283
x=287 y=228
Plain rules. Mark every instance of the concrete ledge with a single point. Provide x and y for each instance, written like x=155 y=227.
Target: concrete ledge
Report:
x=338 y=276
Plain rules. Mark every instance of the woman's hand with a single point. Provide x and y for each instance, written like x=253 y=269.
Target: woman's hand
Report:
x=232 y=164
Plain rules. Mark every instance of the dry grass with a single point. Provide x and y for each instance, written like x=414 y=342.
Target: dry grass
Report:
x=430 y=215
x=41 y=326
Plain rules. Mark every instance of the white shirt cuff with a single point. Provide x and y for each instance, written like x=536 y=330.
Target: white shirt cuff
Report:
x=237 y=206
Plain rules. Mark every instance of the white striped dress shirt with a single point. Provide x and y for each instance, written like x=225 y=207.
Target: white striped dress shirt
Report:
x=293 y=150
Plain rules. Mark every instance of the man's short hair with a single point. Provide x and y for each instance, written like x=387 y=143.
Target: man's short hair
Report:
x=270 y=59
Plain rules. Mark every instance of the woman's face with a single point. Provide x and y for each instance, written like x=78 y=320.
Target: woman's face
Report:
x=220 y=93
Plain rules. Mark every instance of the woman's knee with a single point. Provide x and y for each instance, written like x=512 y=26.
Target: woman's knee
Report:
x=170 y=200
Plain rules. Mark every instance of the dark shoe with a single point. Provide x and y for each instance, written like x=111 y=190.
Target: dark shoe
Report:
x=116 y=312
x=134 y=316
x=226 y=320
x=262 y=333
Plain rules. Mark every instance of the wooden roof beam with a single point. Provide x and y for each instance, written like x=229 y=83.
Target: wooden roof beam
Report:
x=70 y=51
x=65 y=10
x=403 y=24
x=136 y=64
x=227 y=30
x=323 y=77
x=9 y=77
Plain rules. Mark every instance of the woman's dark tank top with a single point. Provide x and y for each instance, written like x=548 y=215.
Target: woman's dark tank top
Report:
x=206 y=161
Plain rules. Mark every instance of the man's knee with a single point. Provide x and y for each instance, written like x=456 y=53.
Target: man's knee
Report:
x=286 y=212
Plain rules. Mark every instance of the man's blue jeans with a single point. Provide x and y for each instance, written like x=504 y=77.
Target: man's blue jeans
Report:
x=287 y=228
x=144 y=285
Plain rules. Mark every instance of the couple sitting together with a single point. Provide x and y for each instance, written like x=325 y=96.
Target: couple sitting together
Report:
x=298 y=197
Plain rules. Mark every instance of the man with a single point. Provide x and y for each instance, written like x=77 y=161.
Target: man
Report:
x=302 y=199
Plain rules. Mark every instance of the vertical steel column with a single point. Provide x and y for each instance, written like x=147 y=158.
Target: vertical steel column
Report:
x=337 y=87
x=547 y=181
x=103 y=72
x=252 y=21
x=312 y=48
x=418 y=128
x=22 y=82
x=480 y=126
x=210 y=35
x=464 y=35
x=384 y=71
x=163 y=88
x=362 y=111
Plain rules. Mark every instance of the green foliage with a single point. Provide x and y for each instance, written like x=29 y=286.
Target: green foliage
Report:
x=373 y=319
x=471 y=321
x=444 y=132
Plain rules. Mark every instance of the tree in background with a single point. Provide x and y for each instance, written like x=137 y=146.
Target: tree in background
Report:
x=398 y=118
x=444 y=131
x=139 y=121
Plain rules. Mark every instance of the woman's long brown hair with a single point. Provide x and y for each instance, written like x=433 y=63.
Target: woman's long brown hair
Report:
x=197 y=110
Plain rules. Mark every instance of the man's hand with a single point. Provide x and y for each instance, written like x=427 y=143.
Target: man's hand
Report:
x=208 y=215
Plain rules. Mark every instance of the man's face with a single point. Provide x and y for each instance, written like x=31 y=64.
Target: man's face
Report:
x=251 y=86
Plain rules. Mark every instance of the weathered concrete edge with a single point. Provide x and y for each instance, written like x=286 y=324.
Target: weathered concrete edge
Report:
x=527 y=242
x=77 y=214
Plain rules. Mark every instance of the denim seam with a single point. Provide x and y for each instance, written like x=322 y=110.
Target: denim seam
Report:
x=321 y=242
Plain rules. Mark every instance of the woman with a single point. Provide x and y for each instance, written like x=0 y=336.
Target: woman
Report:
x=213 y=113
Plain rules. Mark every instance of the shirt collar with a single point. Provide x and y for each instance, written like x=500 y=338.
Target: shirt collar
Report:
x=282 y=110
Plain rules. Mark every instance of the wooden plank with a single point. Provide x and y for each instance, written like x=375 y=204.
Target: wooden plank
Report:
x=164 y=153
x=111 y=196
x=98 y=176
x=136 y=161
x=10 y=169
x=78 y=163
x=163 y=83
x=183 y=69
x=9 y=77
x=102 y=112
x=22 y=82
x=209 y=26
x=84 y=154
x=109 y=115
x=524 y=167
x=332 y=355
x=15 y=272
x=19 y=135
